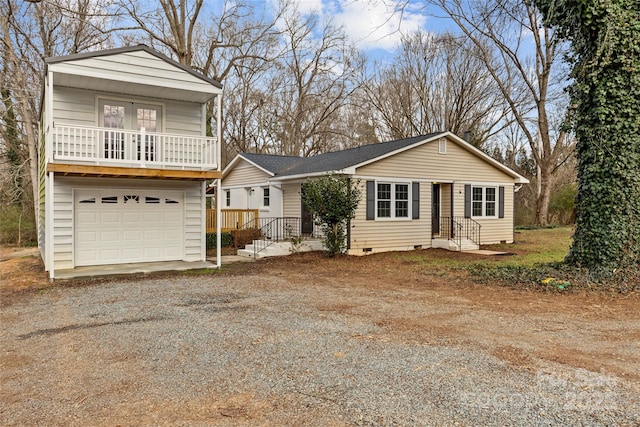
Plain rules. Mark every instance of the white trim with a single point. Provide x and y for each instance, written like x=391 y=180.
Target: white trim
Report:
x=486 y=184
x=49 y=235
x=404 y=178
x=133 y=101
x=203 y=221
x=237 y=158
x=393 y=200
x=484 y=202
x=218 y=223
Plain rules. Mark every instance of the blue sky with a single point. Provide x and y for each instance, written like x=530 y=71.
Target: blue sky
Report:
x=376 y=26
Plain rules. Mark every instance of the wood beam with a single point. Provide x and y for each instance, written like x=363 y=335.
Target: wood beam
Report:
x=123 y=172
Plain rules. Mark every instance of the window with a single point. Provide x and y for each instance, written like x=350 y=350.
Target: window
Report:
x=402 y=200
x=265 y=197
x=384 y=200
x=392 y=200
x=228 y=198
x=110 y=199
x=483 y=201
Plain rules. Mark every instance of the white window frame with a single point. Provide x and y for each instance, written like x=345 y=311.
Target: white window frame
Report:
x=393 y=201
x=267 y=197
x=484 y=203
x=227 y=198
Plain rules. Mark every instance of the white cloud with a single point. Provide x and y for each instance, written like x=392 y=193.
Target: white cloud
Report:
x=371 y=24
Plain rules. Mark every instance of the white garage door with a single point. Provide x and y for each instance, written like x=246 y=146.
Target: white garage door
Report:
x=123 y=226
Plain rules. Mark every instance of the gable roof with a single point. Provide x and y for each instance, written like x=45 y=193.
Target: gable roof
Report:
x=127 y=49
x=348 y=160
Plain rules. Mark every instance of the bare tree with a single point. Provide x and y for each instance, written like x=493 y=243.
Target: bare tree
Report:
x=436 y=83
x=316 y=76
x=524 y=59
x=31 y=32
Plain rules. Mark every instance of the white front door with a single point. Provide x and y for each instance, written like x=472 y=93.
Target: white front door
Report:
x=125 y=226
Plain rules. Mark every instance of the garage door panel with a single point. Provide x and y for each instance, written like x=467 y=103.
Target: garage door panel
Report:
x=132 y=217
x=86 y=218
x=110 y=217
x=131 y=235
x=116 y=228
x=132 y=254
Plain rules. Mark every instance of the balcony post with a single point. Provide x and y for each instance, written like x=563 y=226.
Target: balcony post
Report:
x=143 y=147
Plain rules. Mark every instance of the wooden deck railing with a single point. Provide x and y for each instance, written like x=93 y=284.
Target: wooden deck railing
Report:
x=232 y=219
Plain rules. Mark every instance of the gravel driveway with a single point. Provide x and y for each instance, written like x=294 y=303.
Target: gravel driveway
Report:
x=267 y=350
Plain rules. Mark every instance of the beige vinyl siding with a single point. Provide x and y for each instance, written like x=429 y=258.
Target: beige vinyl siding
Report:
x=389 y=234
x=291 y=200
x=63 y=208
x=244 y=173
x=424 y=162
x=493 y=230
x=445 y=200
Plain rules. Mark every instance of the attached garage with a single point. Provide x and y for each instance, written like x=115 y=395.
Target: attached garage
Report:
x=128 y=225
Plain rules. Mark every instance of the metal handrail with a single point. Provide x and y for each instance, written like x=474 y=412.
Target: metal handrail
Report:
x=276 y=230
x=458 y=227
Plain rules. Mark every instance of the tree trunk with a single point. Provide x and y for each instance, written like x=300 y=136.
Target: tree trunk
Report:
x=544 y=196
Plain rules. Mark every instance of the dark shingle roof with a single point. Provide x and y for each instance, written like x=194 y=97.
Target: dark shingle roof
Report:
x=327 y=162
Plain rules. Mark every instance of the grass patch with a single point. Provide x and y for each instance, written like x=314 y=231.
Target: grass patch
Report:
x=538 y=264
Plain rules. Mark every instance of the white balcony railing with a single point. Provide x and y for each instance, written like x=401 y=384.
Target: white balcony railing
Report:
x=133 y=148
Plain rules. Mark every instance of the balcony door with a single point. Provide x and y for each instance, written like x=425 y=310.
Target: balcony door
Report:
x=122 y=116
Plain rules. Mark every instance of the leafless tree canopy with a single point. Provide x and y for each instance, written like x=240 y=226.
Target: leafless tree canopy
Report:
x=505 y=32
x=296 y=85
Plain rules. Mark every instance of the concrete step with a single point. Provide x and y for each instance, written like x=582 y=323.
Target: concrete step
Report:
x=450 y=245
x=280 y=248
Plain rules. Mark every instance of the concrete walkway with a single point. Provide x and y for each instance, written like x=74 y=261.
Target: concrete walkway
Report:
x=144 y=268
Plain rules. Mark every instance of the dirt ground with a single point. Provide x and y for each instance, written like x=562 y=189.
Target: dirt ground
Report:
x=598 y=332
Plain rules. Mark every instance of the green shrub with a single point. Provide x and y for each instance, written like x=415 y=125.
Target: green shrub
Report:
x=212 y=240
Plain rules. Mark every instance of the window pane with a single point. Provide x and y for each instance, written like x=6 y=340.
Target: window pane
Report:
x=265 y=198
x=113 y=116
x=147 y=119
x=402 y=191
x=384 y=209
x=477 y=194
x=477 y=209
x=402 y=209
x=384 y=191
x=490 y=202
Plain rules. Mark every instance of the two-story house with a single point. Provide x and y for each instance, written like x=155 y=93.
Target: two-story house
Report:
x=124 y=158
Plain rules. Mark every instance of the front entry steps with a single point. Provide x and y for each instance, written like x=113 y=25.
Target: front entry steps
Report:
x=450 y=245
x=280 y=248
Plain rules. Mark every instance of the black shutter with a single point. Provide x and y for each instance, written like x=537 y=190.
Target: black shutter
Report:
x=371 y=200
x=415 y=200
x=467 y=200
x=500 y=202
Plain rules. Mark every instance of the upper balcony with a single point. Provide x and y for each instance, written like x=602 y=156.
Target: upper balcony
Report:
x=81 y=148
x=101 y=111
x=128 y=148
